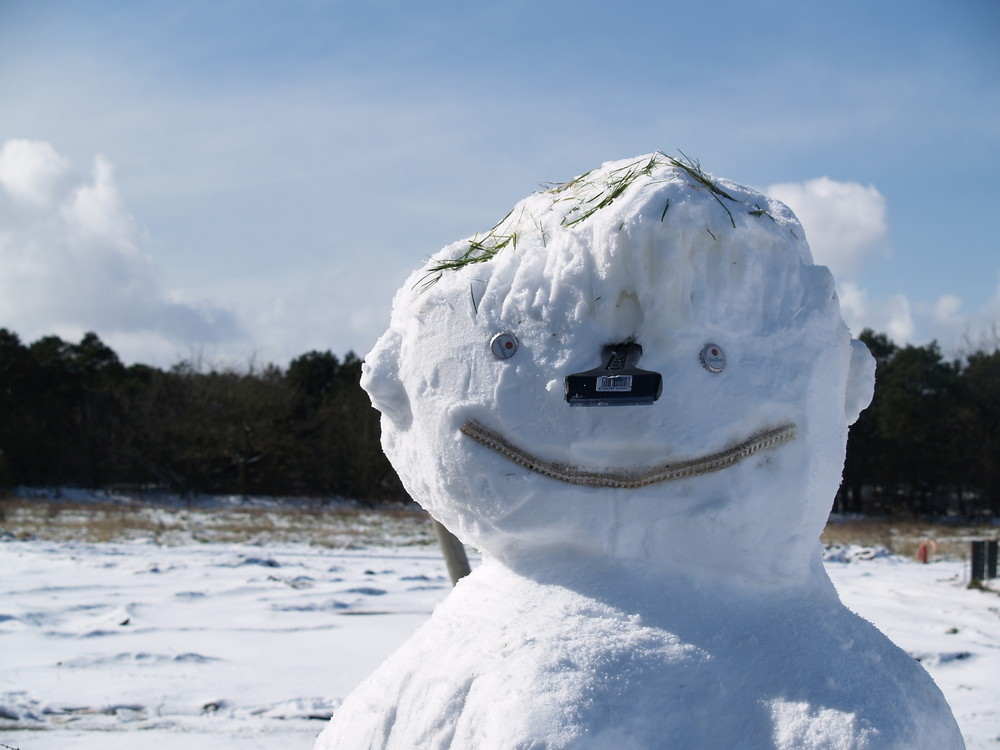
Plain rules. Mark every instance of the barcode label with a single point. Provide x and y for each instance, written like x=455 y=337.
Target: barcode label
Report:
x=619 y=383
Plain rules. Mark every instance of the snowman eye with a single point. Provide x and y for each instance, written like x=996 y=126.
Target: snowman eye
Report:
x=504 y=345
x=713 y=358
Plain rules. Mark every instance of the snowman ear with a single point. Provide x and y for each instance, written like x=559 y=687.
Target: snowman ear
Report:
x=380 y=377
x=860 y=381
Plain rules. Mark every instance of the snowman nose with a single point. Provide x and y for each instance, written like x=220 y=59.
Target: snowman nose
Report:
x=617 y=383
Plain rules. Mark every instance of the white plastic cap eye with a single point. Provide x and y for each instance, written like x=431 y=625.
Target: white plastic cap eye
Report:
x=504 y=345
x=713 y=358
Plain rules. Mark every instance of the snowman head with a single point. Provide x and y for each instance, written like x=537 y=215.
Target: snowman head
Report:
x=641 y=364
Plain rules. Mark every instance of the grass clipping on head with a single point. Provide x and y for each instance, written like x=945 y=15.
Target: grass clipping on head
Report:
x=585 y=196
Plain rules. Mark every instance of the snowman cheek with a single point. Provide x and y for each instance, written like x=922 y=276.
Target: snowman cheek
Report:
x=860 y=381
x=380 y=378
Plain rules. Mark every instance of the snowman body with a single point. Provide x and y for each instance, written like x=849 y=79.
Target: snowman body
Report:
x=652 y=573
x=511 y=662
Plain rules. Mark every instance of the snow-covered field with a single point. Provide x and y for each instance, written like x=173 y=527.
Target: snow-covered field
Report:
x=212 y=646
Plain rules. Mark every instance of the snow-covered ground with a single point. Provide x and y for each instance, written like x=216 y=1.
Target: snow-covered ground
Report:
x=231 y=647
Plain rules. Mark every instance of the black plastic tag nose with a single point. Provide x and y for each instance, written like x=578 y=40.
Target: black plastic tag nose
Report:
x=618 y=383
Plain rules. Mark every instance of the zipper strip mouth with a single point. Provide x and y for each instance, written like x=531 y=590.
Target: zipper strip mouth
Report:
x=630 y=479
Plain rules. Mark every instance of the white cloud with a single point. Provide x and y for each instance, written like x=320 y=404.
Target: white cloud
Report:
x=946 y=320
x=339 y=304
x=855 y=307
x=71 y=261
x=847 y=230
x=946 y=309
x=892 y=316
x=899 y=324
x=961 y=330
x=96 y=212
x=845 y=222
x=29 y=171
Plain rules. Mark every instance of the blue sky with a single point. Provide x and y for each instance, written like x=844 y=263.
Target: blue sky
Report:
x=237 y=180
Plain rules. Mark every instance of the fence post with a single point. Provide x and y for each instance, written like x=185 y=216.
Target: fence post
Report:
x=454 y=553
x=984 y=561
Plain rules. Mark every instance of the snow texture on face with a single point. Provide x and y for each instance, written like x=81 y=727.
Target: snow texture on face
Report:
x=653 y=251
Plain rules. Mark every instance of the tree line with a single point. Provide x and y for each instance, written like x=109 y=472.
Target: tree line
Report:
x=929 y=444
x=71 y=414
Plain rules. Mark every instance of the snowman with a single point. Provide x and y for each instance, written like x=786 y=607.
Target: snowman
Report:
x=632 y=397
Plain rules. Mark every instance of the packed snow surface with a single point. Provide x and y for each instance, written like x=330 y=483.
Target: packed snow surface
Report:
x=652 y=574
x=236 y=647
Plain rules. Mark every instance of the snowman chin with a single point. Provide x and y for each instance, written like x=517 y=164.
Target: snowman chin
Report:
x=633 y=477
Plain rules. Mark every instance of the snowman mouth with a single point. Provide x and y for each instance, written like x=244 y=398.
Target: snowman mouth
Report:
x=635 y=477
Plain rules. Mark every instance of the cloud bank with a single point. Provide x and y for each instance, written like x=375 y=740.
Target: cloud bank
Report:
x=71 y=261
x=847 y=228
